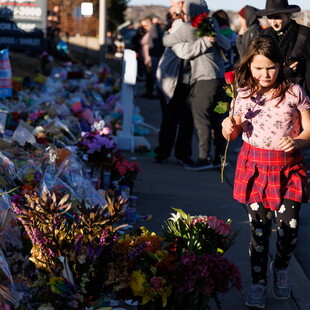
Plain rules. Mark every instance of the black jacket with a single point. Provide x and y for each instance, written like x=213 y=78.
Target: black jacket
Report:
x=156 y=47
x=254 y=29
x=295 y=42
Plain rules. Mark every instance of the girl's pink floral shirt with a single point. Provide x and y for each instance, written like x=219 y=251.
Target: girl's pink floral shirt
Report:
x=265 y=120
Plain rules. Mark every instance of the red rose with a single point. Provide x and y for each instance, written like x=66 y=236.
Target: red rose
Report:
x=230 y=77
x=197 y=20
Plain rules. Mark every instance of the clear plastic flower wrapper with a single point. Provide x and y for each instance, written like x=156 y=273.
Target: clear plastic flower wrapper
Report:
x=62 y=133
x=9 y=231
x=69 y=176
x=8 y=173
x=8 y=291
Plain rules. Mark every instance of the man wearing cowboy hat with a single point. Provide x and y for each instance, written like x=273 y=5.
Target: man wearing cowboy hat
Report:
x=292 y=37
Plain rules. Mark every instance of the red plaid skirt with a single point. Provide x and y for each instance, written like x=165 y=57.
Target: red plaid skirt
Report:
x=269 y=176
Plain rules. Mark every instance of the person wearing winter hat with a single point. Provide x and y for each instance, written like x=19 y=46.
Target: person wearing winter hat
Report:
x=293 y=38
x=249 y=28
x=231 y=56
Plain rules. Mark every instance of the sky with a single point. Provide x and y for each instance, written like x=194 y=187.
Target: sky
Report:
x=233 y=5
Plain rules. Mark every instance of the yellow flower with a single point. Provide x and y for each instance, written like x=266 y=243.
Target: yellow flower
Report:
x=145 y=299
x=160 y=254
x=220 y=251
x=137 y=283
x=166 y=291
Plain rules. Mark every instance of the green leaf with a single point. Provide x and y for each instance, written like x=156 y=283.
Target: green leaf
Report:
x=222 y=107
x=229 y=92
x=182 y=213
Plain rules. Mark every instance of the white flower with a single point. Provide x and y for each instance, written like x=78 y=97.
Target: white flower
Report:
x=282 y=209
x=98 y=125
x=254 y=206
x=258 y=232
x=293 y=223
x=82 y=259
x=174 y=216
x=257 y=268
x=37 y=130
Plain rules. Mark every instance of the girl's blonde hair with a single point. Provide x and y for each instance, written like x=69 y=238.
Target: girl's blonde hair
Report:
x=267 y=46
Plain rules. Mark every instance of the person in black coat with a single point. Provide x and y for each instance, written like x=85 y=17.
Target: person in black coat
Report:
x=293 y=38
x=250 y=28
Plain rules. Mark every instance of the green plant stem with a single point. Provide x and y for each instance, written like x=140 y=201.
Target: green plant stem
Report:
x=224 y=157
x=223 y=161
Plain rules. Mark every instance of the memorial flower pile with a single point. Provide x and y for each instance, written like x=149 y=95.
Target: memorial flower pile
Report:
x=185 y=267
x=70 y=250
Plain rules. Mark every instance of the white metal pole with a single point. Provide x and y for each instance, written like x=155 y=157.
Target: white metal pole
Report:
x=102 y=28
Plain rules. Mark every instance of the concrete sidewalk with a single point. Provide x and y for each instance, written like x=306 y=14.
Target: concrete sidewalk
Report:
x=161 y=187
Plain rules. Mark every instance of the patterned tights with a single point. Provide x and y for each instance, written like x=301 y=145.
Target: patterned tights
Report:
x=287 y=220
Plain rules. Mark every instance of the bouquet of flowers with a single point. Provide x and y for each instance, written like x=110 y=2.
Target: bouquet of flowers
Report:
x=204 y=25
x=96 y=147
x=142 y=268
x=125 y=171
x=201 y=270
x=70 y=250
x=184 y=269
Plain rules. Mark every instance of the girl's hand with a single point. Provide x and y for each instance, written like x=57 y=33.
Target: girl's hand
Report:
x=294 y=65
x=287 y=144
x=228 y=125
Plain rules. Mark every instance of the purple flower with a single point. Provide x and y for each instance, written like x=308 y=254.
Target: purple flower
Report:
x=78 y=244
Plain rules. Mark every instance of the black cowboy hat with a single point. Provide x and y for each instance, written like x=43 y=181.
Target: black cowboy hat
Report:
x=274 y=7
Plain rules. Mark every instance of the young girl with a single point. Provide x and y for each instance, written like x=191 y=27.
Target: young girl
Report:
x=274 y=118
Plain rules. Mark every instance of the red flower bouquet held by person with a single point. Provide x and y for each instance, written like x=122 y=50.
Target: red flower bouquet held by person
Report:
x=204 y=25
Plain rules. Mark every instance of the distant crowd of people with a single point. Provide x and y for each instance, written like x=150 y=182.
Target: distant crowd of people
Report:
x=186 y=72
x=271 y=113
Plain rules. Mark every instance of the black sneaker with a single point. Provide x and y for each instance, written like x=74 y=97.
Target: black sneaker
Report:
x=256 y=297
x=281 y=285
x=185 y=161
x=202 y=164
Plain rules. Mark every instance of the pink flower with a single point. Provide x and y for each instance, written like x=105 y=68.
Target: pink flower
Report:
x=220 y=226
x=157 y=282
x=199 y=219
x=34 y=116
x=125 y=167
x=105 y=131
